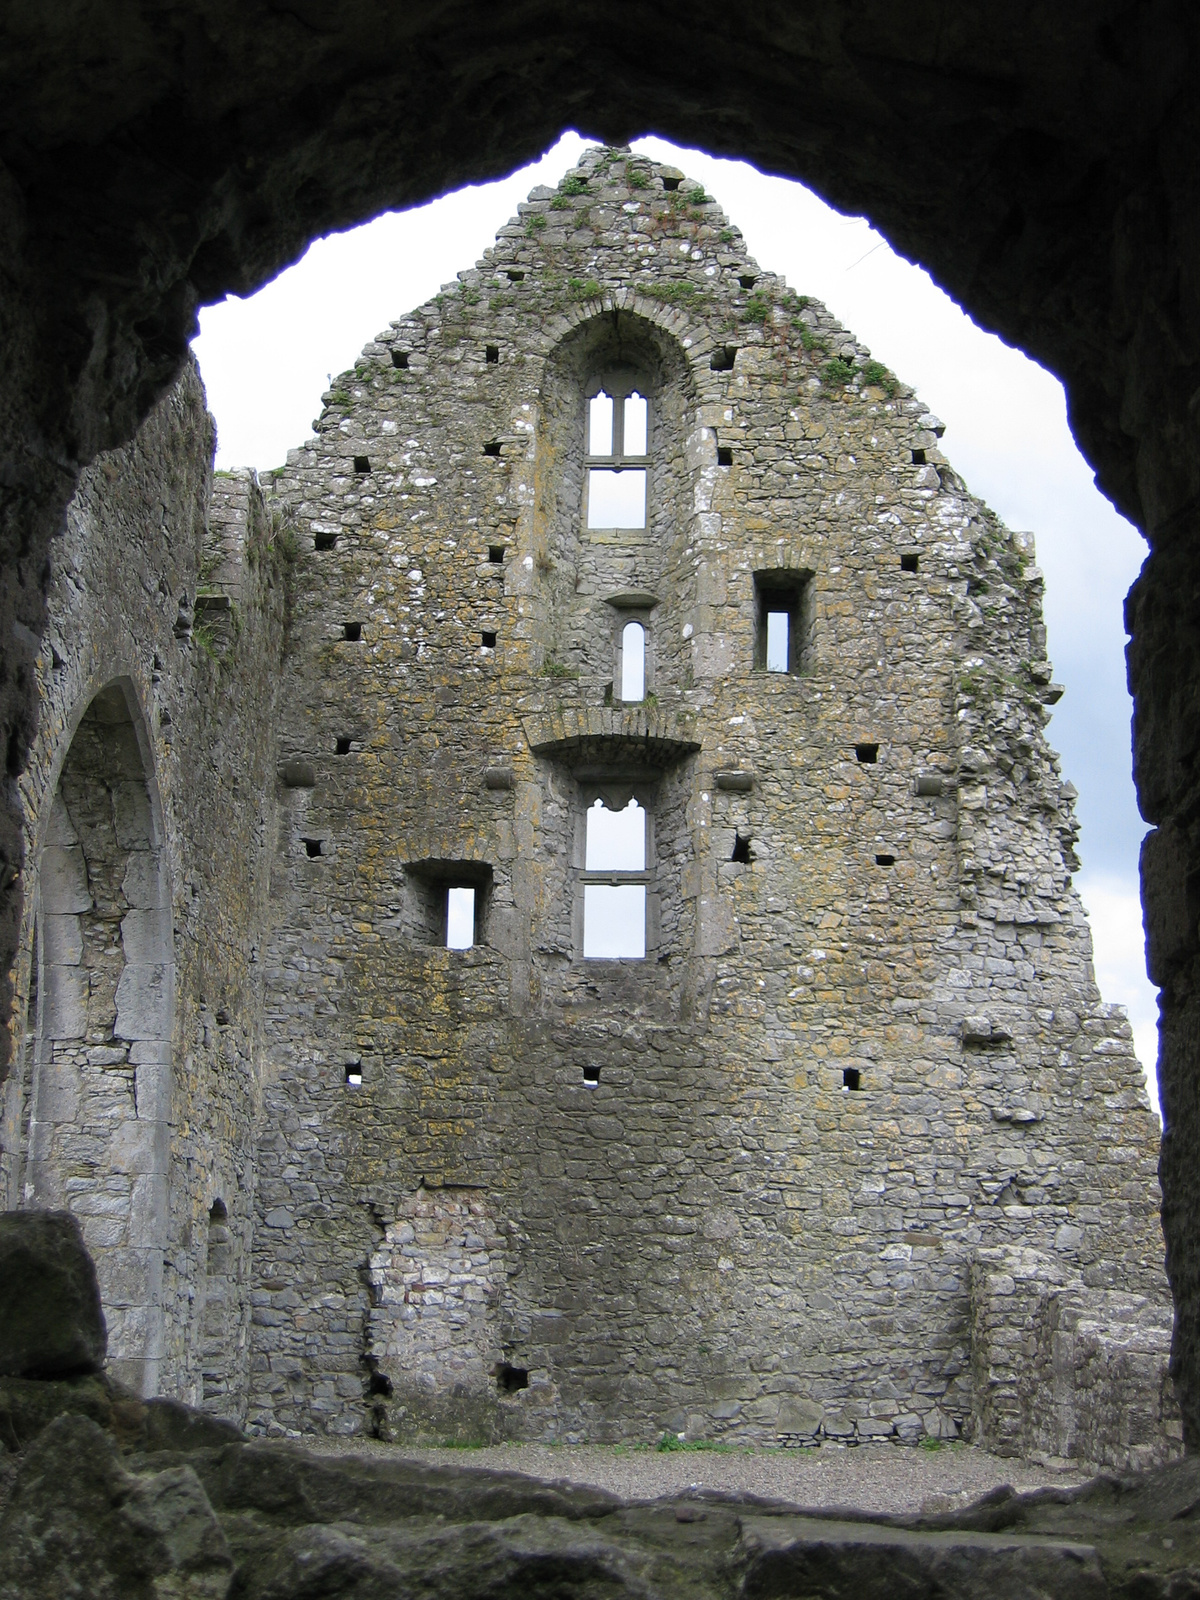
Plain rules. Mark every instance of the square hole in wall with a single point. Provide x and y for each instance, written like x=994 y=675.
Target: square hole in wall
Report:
x=918 y=458
x=492 y=447
x=591 y=1076
x=446 y=902
x=514 y=276
x=724 y=455
x=741 y=849
x=324 y=540
x=851 y=1078
x=909 y=563
x=314 y=847
x=747 y=280
x=354 y=1073
x=510 y=1379
x=488 y=640
x=362 y=465
x=496 y=554
x=671 y=184
x=491 y=354
x=723 y=357
x=343 y=744
x=352 y=632
x=867 y=754
x=400 y=359
x=885 y=861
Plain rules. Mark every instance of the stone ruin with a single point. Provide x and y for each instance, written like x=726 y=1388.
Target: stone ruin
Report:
x=550 y=916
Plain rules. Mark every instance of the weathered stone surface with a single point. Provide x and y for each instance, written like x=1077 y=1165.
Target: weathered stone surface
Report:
x=1041 y=167
x=51 y=1324
x=78 y=1524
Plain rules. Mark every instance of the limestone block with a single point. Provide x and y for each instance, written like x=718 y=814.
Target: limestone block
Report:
x=62 y=939
x=64 y=879
x=143 y=1001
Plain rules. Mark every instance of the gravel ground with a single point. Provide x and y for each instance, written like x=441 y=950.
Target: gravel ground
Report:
x=879 y=1477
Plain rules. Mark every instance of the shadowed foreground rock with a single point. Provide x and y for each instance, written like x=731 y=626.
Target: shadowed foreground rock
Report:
x=51 y=1324
x=80 y=1515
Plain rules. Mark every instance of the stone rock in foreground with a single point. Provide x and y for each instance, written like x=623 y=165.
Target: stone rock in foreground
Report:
x=51 y=1324
x=78 y=1524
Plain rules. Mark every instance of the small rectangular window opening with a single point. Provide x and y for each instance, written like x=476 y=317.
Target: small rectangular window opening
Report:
x=909 y=563
x=723 y=357
x=362 y=465
x=741 y=849
x=492 y=447
x=780 y=621
x=616 y=499
x=747 y=280
x=851 y=1078
x=885 y=861
x=354 y=1073
x=400 y=359
x=460 y=918
x=591 y=1076
x=343 y=744
x=491 y=354
x=496 y=554
x=487 y=640
x=352 y=632
x=614 y=909
x=324 y=540
x=510 y=1379
x=671 y=184
x=724 y=455
x=314 y=848
x=867 y=754
x=918 y=458
x=514 y=276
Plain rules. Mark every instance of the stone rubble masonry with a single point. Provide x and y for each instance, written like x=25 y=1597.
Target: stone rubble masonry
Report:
x=733 y=1190
x=1067 y=1372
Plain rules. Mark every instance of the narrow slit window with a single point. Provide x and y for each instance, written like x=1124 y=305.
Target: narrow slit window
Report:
x=600 y=425
x=460 y=918
x=400 y=359
x=488 y=639
x=591 y=1076
x=909 y=563
x=633 y=661
x=491 y=354
x=636 y=425
x=343 y=744
x=778 y=641
x=496 y=554
x=352 y=632
x=362 y=465
x=851 y=1078
x=354 y=1074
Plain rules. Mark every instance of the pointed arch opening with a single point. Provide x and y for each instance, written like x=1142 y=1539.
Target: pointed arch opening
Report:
x=99 y=1137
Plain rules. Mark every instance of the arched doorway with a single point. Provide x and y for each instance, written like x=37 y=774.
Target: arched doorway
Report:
x=101 y=1083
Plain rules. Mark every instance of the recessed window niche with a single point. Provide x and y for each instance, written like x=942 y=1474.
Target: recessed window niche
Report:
x=782 y=604
x=446 y=902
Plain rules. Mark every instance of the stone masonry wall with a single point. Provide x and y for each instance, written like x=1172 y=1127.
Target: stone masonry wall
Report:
x=739 y=1183
x=167 y=608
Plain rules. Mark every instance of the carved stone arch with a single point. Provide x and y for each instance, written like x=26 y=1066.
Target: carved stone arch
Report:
x=100 y=1089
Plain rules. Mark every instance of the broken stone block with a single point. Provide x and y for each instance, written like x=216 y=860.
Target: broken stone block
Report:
x=51 y=1324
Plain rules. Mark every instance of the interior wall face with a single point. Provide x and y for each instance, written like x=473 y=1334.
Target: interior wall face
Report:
x=734 y=1188
x=148 y=818
x=101 y=1070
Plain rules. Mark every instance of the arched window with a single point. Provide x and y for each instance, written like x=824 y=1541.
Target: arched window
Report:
x=633 y=661
x=618 y=433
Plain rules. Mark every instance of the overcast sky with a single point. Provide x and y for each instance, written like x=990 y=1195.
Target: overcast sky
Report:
x=267 y=359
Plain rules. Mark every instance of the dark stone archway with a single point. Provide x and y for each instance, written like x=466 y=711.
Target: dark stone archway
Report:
x=1040 y=162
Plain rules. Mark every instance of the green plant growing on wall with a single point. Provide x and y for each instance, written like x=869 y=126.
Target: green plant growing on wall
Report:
x=836 y=373
x=726 y=236
x=340 y=397
x=757 y=309
x=535 y=225
x=573 y=185
x=876 y=374
x=636 y=179
x=697 y=196
x=559 y=202
x=808 y=339
x=552 y=668
x=583 y=288
x=471 y=297
x=680 y=292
